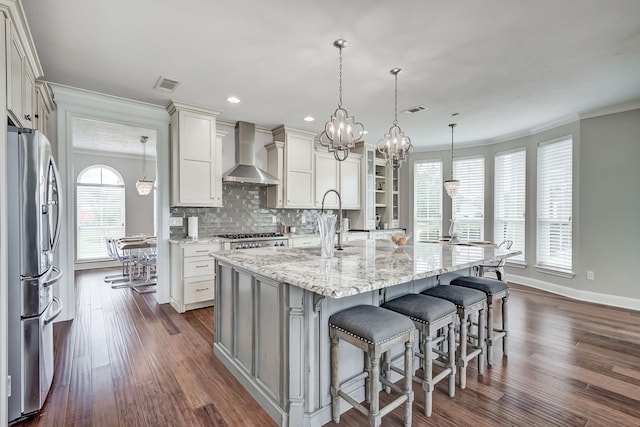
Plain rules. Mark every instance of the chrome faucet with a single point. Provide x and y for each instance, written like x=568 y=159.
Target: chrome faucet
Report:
x=339 y=225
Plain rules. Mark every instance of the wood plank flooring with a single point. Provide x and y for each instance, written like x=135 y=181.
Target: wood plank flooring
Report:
x=128 y=361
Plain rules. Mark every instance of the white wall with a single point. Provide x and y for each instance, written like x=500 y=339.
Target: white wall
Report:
x=606 y=206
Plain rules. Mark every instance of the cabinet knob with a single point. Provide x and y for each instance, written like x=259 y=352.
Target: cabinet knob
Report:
x=27 y=117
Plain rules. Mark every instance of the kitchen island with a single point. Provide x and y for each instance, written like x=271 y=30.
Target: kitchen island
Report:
x=273 y=305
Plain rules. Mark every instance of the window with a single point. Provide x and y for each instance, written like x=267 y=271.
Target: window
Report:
x=555 y=203
x=427 y=200
x=510 y=199
x=100 y=211
x=468 y=205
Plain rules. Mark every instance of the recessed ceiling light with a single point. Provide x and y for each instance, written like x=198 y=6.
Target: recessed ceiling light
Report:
x=365 y=132
x=233 y=99
x=309 y=119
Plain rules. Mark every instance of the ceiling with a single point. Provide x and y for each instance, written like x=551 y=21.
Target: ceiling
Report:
x=507 y=66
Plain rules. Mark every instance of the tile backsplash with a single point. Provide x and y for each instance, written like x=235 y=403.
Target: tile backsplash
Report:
x=244 y=210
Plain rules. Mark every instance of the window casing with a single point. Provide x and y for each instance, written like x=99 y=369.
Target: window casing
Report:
x=100 y=211
x=555 y=204
x=427 y=200
x=468 y=204
x=510 y=187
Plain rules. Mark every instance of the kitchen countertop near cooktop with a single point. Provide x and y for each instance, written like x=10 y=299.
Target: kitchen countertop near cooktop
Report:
x=361 y=267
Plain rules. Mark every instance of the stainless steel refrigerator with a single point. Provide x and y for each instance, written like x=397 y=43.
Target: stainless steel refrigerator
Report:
x=34 y=215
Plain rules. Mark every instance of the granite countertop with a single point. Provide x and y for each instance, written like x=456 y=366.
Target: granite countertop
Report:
x=361 y=267
x=202 y=241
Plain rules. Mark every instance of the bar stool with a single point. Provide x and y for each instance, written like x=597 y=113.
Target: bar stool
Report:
x=375 y=331
x=494 y=290
x=469 y=303
x=435 y=319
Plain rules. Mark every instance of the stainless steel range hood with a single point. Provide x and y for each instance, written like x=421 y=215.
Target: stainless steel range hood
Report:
x=245 y=170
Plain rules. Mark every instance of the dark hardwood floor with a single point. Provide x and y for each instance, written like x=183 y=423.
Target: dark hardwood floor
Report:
x=128 y=361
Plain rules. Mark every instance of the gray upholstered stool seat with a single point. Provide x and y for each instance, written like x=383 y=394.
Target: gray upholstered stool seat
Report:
x=469 y=303
x=494 y=290
x=375 y=331
x=435 y=319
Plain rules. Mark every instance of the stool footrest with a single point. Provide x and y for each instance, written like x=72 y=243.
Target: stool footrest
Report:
x=357 y=405
x=392 y=405
x=351 y=381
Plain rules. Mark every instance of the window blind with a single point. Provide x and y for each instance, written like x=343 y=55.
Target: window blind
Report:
x=555 y=203
x=510 y=200
x=427 y=200
x=100 y=212
x=468 y=205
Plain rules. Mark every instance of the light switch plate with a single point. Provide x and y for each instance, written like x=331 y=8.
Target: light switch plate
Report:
x=176 y=221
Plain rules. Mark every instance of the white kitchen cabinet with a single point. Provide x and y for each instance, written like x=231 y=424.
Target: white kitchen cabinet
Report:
x=365 y=217
x=392 y=217
x=196 y=156
x=294 y=168
x=342 y=176
x=192 y=275
x=327 y=178
x=350 y=181
x=44 y=106
x=304 y=241
x=20 y=80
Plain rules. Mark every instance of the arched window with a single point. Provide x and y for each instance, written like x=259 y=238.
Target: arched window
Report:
x=100 y=211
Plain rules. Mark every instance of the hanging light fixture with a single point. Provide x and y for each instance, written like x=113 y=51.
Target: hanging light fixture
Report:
x=341 y=132
x=395 y=145
x=144 y=186
x=452 y=185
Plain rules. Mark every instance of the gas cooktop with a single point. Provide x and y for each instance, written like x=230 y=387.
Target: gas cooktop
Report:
x=250 y=236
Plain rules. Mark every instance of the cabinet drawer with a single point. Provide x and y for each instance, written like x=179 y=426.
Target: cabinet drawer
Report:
x=198 y=289
x=200 y=250
x=301 y=242
x=198 y=266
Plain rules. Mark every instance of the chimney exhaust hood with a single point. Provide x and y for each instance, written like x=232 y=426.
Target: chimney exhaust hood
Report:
x=245 y=170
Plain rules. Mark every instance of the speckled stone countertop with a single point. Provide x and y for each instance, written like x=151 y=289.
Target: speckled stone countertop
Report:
x=203 y=241
x=361 y=267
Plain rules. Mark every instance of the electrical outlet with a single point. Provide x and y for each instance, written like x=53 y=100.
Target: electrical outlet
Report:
x=304 y=219
x=274 y=219
x=591 y=275
x=176 y=221
x=8 y=385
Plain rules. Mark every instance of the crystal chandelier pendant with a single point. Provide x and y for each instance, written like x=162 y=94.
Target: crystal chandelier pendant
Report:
x=452 y=185
x=341 y=132
x=144 y=186
x=395 y=146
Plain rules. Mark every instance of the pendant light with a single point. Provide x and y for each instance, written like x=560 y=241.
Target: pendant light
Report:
x=395 y=145
x=144 y=186
x=341 y=132
x=452 y=185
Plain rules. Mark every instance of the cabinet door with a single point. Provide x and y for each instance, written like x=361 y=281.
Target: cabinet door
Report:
x=200 y=180
x=327 y=179
x=28 y=102
x=15 y=76
x=370 y=197
x=299 y=172
x=350 y=182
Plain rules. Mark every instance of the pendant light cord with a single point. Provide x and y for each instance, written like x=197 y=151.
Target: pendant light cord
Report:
x=452 y=125
x=340 y=79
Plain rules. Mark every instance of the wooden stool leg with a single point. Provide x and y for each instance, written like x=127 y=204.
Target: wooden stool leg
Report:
x=505 y=323
x=427 y=384
x=374 y=397
x=335 y=399
x=452 y=358
x=481 y=340
x=462 y=358
x=490 y=332
x=408 y=382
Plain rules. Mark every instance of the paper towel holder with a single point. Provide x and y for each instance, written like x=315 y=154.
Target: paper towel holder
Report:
x=192 y=227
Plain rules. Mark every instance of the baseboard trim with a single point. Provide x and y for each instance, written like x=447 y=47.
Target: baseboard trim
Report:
x=577 y=294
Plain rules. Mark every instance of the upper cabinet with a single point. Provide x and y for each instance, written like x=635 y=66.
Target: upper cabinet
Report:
x=44 y=106
x=343 y=176
x=291 y=159
x=196 y=156
x=22 y=68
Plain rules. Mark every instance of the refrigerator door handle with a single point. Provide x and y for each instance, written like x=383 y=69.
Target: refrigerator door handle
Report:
x=53 y=280
x=56 y=313
x=58 y=201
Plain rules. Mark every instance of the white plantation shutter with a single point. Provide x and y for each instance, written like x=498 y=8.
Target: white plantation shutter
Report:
x=510 y=199
x=468 y=204
x=427 y=200
x=555 y=203
x=100 y=211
